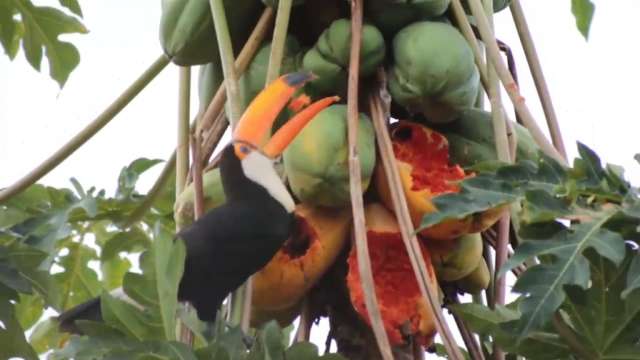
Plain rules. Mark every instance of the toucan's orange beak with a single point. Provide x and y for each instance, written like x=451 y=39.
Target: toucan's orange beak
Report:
x=259 y=117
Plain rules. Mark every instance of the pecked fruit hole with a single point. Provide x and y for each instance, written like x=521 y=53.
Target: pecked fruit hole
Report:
x=402 y=133
x=301 y=237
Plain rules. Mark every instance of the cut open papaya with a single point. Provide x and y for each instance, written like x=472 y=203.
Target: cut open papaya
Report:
x=404 y=310
x=422 y=158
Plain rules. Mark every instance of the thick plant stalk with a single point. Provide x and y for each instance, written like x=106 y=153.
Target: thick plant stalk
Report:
x=228 y=65
x=355 y=187
x=87 y=133
x=569 y=336
x=538 y=76
x=279 y=37
x=467 y=336
x=428 y=287
x=507 y=80
x=304 y=327
x=216 y=106
x=182 y=149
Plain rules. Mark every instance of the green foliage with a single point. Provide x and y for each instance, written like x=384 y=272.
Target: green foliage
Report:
x=584 y=273
x=38 y=28
x=583 y=12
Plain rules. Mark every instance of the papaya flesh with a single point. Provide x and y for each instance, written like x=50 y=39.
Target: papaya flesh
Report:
x=316 y=162
x=422 y=158
x=319 y=236
x=434 y=73
x=401 y=303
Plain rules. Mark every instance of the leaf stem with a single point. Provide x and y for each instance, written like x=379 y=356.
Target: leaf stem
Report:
x=87 y=133
x=227 y=59
x=570 y=337
x=538 y=76
x=279 y=38
x=182 y=149
x=355 y=186
x=428 y=285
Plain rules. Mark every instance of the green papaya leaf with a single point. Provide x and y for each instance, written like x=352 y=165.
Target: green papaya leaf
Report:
x=130 y=174
x=130 y=240
x=271 y=338
x=302 y=351
x=45 y=336
x=542 y=285
x=73 y=6
x=39 y=28
x=633 y=277
x=29 y=309
x=113 y=272
x=606 y=323
x=89 y=348
x=583 y=12
x=157 y=287
x=485 y=321
x=78 y=282
x=14 y=343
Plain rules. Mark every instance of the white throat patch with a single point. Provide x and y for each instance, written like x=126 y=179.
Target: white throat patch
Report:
x=260 y=170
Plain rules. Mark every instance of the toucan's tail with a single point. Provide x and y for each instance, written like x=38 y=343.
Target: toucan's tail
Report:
x=89 y=310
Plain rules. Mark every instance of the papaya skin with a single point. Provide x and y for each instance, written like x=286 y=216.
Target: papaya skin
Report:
x=316 y=162
x=400 y=301
x=420 y=202
x=284 y=317
x=477 y=281
x=285 y=280
x=460 y=260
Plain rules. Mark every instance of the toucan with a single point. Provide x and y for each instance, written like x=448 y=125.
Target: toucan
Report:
x=233 y=241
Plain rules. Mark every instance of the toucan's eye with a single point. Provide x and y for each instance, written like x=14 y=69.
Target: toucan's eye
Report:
x=244 y=149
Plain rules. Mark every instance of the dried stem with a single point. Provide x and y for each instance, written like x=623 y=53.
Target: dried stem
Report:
x=538 y=76
x=304 y=327
x=467 y=336
x=428 y=285
x=279 y=37
x=227 y=59
x=182 y=149
x=506 y=78
x=355 y=183
x=216 y=106
x=87 y=133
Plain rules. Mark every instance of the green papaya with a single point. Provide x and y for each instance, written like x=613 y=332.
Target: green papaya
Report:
x=253 y=79
x=187 y=34
x=329 y=58
x=316 y=162
x=213 y=197
x=210 y=77
x=455 y=263
x=391 y=16
x=471 y=139
x=434 y=72
x=477 y=281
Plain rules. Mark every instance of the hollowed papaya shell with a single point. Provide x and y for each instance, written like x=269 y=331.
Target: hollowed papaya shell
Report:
x=422 y=158
x=396 y=286
x=319 y=237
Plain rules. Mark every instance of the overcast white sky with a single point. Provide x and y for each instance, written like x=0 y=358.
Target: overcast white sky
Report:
x=594 y=86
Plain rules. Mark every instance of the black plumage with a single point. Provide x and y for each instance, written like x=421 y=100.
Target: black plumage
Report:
x=231 y=242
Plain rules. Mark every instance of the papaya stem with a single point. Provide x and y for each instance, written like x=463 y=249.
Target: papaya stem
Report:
x=467 y=336
x=216 y=106
x=87 y=133
x=428 y=285
x=182 y=149
x=538 y=76
x=567 y=333
x=509 y=84
x=227 y=59
x=279 y=38
x=355 y=187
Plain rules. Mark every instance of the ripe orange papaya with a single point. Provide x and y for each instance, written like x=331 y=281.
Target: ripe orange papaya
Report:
x=318 y=238
x=422 y=157
x=401 y=303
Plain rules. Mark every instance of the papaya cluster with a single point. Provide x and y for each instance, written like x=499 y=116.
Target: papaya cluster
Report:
x=434 y=85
